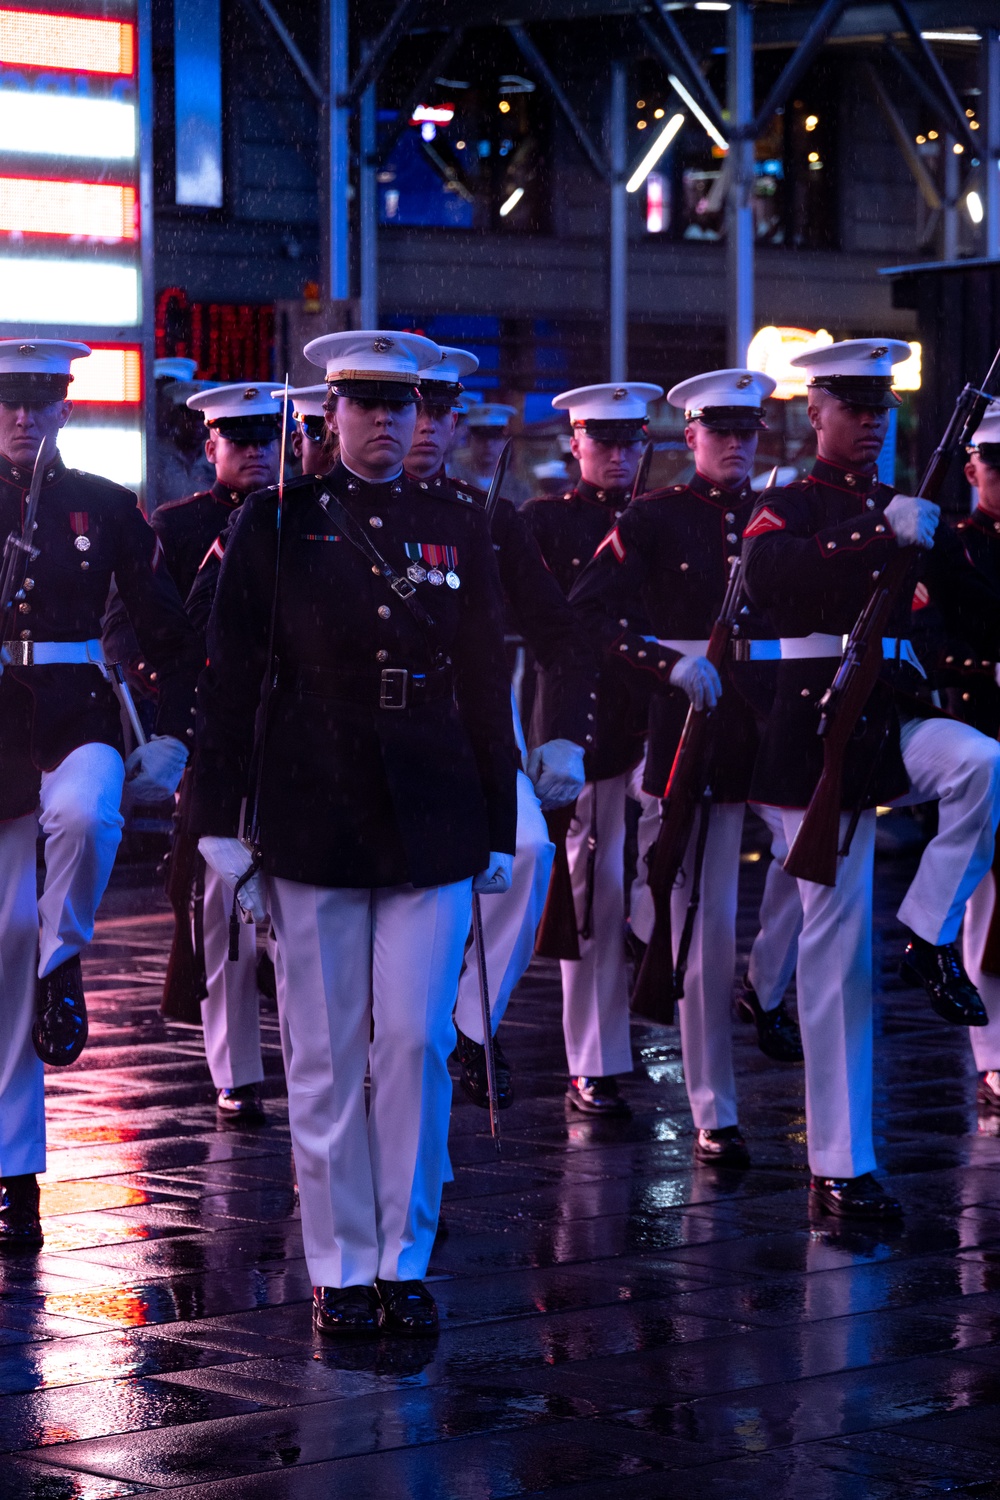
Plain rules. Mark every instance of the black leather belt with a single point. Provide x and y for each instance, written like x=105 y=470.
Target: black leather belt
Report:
x=389 y=688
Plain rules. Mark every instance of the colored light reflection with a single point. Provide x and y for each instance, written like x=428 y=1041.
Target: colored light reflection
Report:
x=94 y=210
x=109 y=375
x=84 y=44
x=38 y=123
x=53 y=290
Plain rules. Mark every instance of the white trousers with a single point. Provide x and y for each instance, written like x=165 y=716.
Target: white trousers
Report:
x=595 y=987
x=78 y=813
x=960 y=769
x=774 y=951
x=705 y=1013
x=978 y=914
x=22 y=1090
x=834 y=981
x=230 y=1013
x=641 y=914
x=348 y=960
x=509 y=921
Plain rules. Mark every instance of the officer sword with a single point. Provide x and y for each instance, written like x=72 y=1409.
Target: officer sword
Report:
x=484 y=995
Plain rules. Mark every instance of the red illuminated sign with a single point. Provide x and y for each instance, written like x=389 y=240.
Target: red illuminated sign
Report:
x=112 y=375
x=82 y=44
x=92 y=210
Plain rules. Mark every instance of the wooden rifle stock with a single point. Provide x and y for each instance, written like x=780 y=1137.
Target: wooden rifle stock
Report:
x=656 y=986
x=814 y=850
x=185 y=986
x=557 y=935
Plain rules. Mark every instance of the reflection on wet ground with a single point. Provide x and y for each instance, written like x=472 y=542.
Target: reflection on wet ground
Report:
x=614 y=1322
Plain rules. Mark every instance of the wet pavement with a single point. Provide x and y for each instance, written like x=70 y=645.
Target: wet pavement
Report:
x=614 y=1322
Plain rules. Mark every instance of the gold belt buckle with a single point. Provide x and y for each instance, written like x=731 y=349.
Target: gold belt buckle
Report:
x=393 y=687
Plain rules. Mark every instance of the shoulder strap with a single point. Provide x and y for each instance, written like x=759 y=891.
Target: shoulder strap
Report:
x=401 y=587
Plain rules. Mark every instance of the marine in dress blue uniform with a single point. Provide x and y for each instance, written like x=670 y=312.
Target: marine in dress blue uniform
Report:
x=650 y=595
x=61 y=745
x=608 y=426
x=552 y=775
x=814 y=550
x=387 y=784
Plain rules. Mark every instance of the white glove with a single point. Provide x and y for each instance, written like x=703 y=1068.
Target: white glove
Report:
x=913 y=521
x=556 y=770
x=699 y=679
x=496 y=878
x=153 y=771
x=231 y=859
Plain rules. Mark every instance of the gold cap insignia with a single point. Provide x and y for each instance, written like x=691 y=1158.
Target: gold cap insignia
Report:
x=619 y=394
x=382 y=345
x=250 y=393
x=26 y=349
x=878 y=352
x=743 y=382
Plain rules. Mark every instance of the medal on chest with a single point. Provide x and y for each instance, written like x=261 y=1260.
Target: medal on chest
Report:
x=435 y=562
x=79 y=523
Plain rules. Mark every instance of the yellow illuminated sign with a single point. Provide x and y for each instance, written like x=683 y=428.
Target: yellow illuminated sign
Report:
x=772 y=348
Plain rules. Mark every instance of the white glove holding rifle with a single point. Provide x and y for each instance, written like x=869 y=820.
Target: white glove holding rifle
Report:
x=555 y=769
x=496 y=878
x=696 y=676
x=231 y=859
x=153 y=771
x=913 y=521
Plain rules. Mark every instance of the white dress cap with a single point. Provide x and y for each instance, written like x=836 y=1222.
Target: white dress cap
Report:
x=623 y=402
x=452 y=367
x=373 y=354
x=224 y=402
x=39 y=356
x=723 y=390
x=853 y=357
x=483 y=414
x=988 y=430
x=305 y=400
x=174 y=368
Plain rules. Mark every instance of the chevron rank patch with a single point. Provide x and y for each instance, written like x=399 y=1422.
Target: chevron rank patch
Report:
x=764 y=521
x=614 y=541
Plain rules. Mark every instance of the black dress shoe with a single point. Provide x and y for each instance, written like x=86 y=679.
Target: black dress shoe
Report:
x=20 y=1226
x=241 y=1106
x=346 y=1312
x=988 y=1091
x=853 y=1198
x=60 y=1029
x=778 y=1034
x=950 y=990
x=407 y=1308
x=472 y=1072
x=724 y=1147
x=598 y=1096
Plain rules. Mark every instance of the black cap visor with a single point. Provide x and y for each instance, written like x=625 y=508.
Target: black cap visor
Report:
x=989 y=453
x=612 y=430
x=728 y=418
x=23 y=389
x=259 y=429
x=441 y=393
x=391 y=392
x=872 y=392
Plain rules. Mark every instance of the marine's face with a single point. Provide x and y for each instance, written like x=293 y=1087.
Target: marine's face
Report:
x=607 y=465
x=24 y=425
x=986 y=479
x=308 y=444
x=725 y=458
x=485 y=447
x=375 y=436
x=243 y=466
x=432 y=438
x=851 y=436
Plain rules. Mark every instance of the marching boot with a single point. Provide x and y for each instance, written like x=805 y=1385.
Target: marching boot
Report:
x=20 y=1226
x=853 y=1198
x=778 y=1034
x=346 y=1312
x=60 y=1029
x=472 y=1072
x=241 y=1106
x=938 y=968
x=724 y=1147
x=407 y=1308
x=597 y=1096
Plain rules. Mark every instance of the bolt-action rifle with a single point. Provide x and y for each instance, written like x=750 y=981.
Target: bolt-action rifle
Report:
x=815 y=848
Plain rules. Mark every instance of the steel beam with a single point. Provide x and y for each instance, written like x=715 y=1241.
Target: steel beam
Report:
x=618 y=256
x=990 y=127
x=336 y=226
x=381 y=50
x=739 y=203
x=368 y=208
x=532 y=56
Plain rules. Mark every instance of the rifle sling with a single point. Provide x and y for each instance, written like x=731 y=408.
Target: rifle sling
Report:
x=401 y=587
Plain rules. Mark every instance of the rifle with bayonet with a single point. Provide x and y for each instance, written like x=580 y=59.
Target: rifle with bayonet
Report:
x=185 y=985
x=816 y=846
x=19 y=549
x=558 y=935
x=660 y=981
